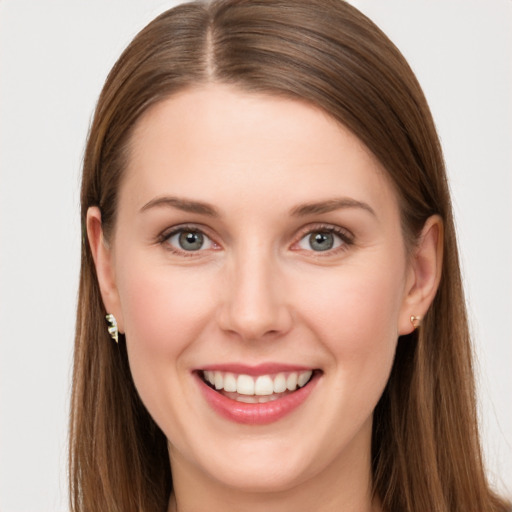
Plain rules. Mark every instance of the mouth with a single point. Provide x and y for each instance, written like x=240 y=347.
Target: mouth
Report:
x=256 y=399
x=256 y=389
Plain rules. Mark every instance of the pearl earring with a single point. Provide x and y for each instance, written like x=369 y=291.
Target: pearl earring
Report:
x=112 y=327
x=415 y=321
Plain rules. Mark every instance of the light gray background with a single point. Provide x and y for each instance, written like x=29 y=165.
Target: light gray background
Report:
x=54 y=56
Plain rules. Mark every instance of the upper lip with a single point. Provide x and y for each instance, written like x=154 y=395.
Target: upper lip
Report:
x=255 y=370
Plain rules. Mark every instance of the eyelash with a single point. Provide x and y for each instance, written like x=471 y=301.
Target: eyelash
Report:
x=164 y=237
x=347 y=239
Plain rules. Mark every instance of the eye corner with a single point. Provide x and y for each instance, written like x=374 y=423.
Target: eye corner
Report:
x=329 y=240
x=176 y=238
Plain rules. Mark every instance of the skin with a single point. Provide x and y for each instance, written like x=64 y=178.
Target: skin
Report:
x=258 y=292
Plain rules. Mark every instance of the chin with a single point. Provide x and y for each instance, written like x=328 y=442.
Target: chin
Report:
x=263 y=476
x=269 y=464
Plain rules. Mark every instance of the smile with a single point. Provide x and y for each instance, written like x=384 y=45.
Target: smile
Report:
x=259 y=398
x=260 y=389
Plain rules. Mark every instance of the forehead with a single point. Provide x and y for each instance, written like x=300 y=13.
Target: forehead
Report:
x=216 y=142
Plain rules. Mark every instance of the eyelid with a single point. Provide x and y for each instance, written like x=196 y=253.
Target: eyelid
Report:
x=168 y=233
x=344 y=234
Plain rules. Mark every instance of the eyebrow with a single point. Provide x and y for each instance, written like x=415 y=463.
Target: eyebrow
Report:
x=330 y=205
x=301 y=210
x=181 y=204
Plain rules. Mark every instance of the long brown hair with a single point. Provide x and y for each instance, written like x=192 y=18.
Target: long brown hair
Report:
x=425 y=447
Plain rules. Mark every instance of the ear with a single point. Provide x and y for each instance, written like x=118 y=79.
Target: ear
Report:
x=103 y=258
x=423 y=274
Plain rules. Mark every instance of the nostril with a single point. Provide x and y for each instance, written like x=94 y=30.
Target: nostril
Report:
x=255 y=323
x=252 y=304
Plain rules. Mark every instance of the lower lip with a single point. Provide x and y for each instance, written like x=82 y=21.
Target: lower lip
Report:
x=256 y=414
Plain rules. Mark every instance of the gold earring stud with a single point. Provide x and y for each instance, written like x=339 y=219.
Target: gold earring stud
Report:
x=415 y=321
x=112 y=327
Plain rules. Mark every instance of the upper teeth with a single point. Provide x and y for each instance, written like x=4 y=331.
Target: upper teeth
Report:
x=261 y=385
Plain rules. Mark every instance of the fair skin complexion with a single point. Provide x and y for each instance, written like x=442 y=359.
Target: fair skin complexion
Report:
x=256 y=275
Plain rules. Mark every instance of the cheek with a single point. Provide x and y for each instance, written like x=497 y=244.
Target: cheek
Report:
x=162 y=307
x=357 y=301
x=355 y=312
x=164 y=311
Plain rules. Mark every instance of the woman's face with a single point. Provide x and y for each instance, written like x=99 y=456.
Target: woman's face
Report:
x=258 y=243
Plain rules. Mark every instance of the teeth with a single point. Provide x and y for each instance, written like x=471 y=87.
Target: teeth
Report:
x=280 y=383
x=218 y=381
x=291 y=381
x=245 y=385
x=254 y=399
x=262 y=386
x=247 y=399
x=230 y=382
x=303 y=378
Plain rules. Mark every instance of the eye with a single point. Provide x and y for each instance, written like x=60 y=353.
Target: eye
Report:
x=325 y=239
x=188 y=240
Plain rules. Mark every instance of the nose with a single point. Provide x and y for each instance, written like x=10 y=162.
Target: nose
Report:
x=254 y=304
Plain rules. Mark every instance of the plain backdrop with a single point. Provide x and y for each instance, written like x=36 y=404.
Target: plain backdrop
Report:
x=54 y=57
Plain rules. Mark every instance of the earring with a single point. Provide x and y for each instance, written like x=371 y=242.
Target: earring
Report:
x=112 y=327
x=415 y=321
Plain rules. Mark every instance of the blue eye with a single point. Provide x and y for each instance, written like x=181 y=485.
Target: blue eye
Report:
x=189 y=240
x=321 y=240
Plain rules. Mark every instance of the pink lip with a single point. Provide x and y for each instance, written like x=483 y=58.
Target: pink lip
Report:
x=260 y=369
x=256 y=414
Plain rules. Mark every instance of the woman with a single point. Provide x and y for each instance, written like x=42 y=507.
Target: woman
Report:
x=269 y=232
